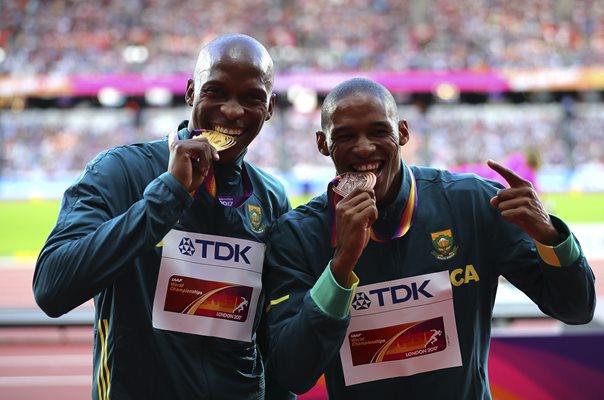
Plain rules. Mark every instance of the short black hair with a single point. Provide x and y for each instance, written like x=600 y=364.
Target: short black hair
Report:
x=356 y=86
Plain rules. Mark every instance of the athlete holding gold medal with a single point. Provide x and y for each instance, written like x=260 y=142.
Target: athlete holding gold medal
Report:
x=386 y=282
x=219 y=141
x=168 y=238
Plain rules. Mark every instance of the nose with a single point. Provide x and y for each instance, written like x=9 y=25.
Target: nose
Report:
x=232 y=109
x=363 y=146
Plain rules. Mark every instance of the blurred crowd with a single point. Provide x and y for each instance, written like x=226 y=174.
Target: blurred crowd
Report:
x=62 y=37
x=159 y=37
x=57 y=143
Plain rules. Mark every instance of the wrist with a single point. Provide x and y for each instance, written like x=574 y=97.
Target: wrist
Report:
x=341 y=269
x=551 y=238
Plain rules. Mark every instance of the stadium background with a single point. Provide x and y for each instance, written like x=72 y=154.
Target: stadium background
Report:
x=517 y=81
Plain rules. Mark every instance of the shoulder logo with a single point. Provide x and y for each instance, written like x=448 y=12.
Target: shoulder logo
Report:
x=254 y=214
x=443 y=244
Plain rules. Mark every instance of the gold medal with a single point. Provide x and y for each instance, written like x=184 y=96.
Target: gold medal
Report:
x=219 y=140
x=352 y=180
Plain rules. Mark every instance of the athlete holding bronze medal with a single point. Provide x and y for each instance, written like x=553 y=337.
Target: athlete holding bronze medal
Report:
x=351 y=180
x=387 y=286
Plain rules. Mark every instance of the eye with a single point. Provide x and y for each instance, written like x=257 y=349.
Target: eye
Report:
x=381 y=133
x=342 y=137
x=212 y=91
x=254 y=100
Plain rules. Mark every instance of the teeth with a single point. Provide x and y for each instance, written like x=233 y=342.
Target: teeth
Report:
x=228 y=131
x=367 y=167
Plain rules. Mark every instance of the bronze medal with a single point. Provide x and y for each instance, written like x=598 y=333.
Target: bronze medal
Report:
x=351 y=180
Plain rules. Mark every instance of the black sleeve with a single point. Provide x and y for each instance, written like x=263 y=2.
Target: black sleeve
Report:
x=303 y=339
x=90 y=244
x=566 y=293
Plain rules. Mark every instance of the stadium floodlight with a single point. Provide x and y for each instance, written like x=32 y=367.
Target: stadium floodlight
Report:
x=158 y=96
x=111 y=97
x=447 y=92
x=17 y=105
x=135 y=54
x=303 y=99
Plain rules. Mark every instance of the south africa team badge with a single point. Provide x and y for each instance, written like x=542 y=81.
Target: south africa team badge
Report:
x=255 y=216
x=443 y=244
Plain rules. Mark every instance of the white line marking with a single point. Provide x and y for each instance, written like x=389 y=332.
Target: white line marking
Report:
x=55 y=380
x=57 y=360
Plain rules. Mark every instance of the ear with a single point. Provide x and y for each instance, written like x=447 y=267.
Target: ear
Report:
x=190 y=93
x=403 y=132
x=322 y=143
x=271 y=105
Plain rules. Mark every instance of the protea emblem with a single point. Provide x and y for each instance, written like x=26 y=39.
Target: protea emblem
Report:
x=255 y=217
x=443 y=244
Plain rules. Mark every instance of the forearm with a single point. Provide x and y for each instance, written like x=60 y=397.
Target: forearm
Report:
x=84 y=255
x=303 y=347
x=568 y=293
x=314 y=330
x=562 y=283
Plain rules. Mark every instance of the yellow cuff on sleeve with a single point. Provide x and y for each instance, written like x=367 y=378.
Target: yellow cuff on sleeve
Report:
x=561 y=255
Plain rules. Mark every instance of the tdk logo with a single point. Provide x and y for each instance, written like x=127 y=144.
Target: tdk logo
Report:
x=186 y=247
x=391 y=295
x=215 y=250
x=361 y=301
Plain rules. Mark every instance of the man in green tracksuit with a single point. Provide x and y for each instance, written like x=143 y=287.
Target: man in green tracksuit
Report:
x=389 y=290
x=168 y=238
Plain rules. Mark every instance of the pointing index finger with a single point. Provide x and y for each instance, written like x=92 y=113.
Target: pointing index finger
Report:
x=510 y=176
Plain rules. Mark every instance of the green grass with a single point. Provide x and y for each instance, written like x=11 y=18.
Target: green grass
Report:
x=26 y=224
x=299 y=200
x=575 y=207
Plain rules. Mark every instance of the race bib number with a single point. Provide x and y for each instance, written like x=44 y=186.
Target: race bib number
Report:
x=208 y=285
x=401 y=328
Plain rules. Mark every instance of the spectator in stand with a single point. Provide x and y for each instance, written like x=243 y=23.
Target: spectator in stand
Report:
x=80 y=38
x=524 y=164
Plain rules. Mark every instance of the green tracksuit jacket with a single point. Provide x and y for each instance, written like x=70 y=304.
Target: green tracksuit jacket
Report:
x=105 y=246
x=480 y=248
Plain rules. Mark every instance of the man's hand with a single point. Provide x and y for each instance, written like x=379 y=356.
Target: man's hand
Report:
x=354 y=216
x=190 y=161
x=521 y=205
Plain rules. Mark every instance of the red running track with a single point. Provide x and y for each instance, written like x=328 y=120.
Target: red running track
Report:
x=56 y=362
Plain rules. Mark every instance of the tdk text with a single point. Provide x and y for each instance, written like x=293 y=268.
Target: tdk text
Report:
x=224 y=251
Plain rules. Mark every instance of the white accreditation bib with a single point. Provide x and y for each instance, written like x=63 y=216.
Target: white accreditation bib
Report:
x=401 y=328
x=208 y=285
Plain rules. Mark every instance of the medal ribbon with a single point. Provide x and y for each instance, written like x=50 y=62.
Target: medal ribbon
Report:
x=209 y=183
x=403 y=227
x=333 y=199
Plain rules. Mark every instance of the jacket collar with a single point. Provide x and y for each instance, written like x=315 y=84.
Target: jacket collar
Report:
x=390 y=215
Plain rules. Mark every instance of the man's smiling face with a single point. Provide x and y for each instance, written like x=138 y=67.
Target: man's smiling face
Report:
x=362 y=136
x=232 y=94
